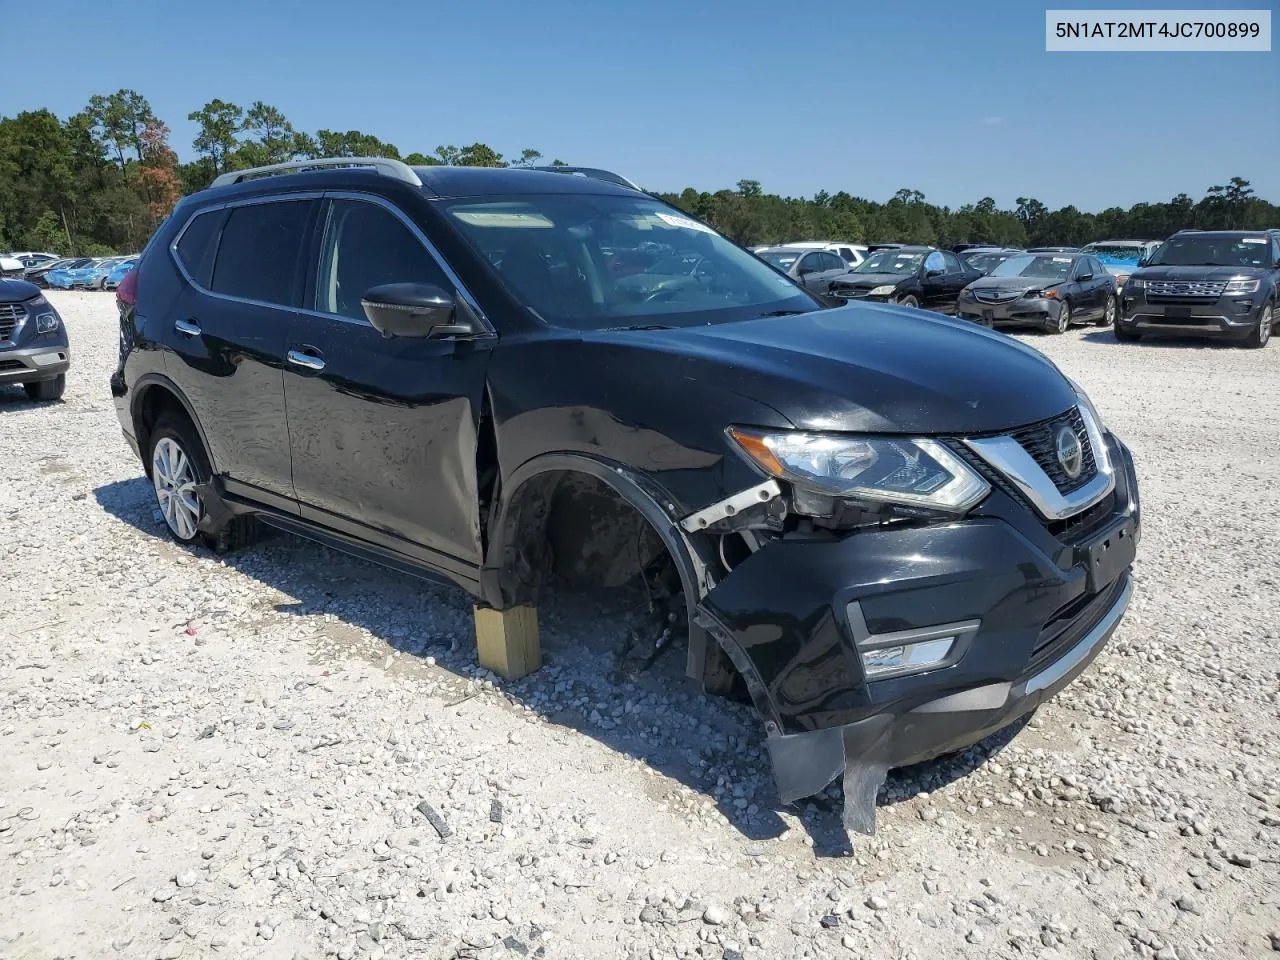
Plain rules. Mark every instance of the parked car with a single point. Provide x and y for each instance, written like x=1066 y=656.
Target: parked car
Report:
x=111 y=279
x=1121 y=257
x=815 y=269
x=1048 y=290
x=1053 y=250
x=984 y=259
x=1220 y=283
x=87 y=276
x=10 y=267
x=851 y=253
x=32 y=258
x=39 y=274
x=895 y=532
x=33 y=342
x=910 y=276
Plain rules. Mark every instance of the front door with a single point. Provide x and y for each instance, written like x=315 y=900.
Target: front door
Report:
x=225 y=334
x=383 y=431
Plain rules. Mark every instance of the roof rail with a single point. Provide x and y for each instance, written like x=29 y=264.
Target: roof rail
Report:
x=594 y=173
x=383 y=165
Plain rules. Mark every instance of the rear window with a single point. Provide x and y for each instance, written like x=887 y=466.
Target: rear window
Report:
x=197 y=244
x=259 y=251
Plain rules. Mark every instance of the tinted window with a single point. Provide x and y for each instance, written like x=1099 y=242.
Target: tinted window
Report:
x=366 y=245
x=953 y=263
x=831 y=262
x=197 y=245
x=810 y=262
x=259 y=251
x=1275 y=249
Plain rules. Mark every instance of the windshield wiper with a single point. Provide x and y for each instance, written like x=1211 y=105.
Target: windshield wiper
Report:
x=780 y=313
x=644 y=326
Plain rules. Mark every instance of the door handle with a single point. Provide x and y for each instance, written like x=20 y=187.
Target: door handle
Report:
x=188 y=328
x=302 y=359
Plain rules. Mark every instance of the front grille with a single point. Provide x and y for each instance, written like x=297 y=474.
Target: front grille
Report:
x=994 y=296
x=10 y=315
x=1077 y=527
x=848 y=293
x=1071 y=622
x=1185 y=289
x=1040 y=440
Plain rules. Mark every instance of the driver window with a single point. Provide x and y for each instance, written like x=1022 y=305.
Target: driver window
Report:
x=365 y=245
x=832 y=262
x=934 y=261
x=953 y=263
x=809 y=264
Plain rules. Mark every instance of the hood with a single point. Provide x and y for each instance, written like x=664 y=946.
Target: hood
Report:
x=866 y=281
x=864 y=367
x=1200 y=273
x=15 y=291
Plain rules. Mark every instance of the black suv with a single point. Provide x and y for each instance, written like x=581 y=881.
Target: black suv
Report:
x=910 y=276
x=894 y=531
x=1212 y=283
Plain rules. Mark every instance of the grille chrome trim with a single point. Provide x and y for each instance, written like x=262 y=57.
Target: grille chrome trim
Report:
x=11 y=317
x=1007 y=456
x=1178 y=289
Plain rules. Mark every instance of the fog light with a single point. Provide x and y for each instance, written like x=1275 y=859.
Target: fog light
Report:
x=907 y=656
x=908 y=651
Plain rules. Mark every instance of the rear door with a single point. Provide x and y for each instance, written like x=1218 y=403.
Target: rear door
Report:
x=383 y=431
x=225 y=335
x=810 y=273
x=933 y=281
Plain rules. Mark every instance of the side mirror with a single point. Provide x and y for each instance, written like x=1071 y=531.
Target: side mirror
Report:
x=932 y=273
x=419 y=310
x=804 y=271
x=1143 y=262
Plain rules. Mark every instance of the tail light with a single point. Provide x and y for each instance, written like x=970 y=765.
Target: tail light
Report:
x=127 y=291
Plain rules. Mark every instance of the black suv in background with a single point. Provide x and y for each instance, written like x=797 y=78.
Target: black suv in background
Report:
x=909 y=276
x=894 y=531
x=1219 y=283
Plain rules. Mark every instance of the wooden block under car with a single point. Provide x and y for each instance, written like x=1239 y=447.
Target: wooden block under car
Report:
x=507 y=640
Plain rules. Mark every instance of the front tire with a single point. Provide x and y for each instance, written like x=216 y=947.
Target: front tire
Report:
x=1108 y=313
x=1064 y=319
x=909 y=301
x=1260 y=336
x=46 y=391
x=179 y=468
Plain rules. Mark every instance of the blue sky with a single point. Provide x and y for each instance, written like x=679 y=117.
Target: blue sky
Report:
x=959 y=100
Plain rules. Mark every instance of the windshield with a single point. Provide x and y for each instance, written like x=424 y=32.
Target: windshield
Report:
x=1211 y=251
x=1047 y=267
x=986 y=262
x=782 y=259
x=891 y=261
x=592 y=262
x=1114 y=251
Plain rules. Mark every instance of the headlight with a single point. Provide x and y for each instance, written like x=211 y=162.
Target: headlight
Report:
x=1136 y=283
x=1242 y=286
x=881 y=291
x=36 y=303
x=915 y=472
x=1086 y=403
x=46 y=322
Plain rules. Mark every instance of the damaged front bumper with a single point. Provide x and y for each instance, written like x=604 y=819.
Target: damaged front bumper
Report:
x=1028 y=602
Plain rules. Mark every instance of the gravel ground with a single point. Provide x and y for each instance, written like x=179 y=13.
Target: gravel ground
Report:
x=290 y=753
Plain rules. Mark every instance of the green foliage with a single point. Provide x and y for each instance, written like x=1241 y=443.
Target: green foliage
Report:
x=101 y=180
x=45 y=234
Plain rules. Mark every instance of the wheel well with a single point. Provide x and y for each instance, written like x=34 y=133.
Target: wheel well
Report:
x=576 y=529
x=155 y=402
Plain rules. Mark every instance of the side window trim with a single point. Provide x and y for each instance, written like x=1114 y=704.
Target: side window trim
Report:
x=229 y=205
x=459 y=287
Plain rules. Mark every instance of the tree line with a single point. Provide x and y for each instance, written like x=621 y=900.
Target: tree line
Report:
x=101 y=180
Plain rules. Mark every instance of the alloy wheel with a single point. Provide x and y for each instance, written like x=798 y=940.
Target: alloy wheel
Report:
x=173 y=476
x=1264 y=326
x=1064 y=317
x=1109 y=314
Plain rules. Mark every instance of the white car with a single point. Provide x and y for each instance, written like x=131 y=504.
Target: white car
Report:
x=11 y=267
x=851 y=253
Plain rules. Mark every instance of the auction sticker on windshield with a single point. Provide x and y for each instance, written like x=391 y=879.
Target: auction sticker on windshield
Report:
x=683 y=222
